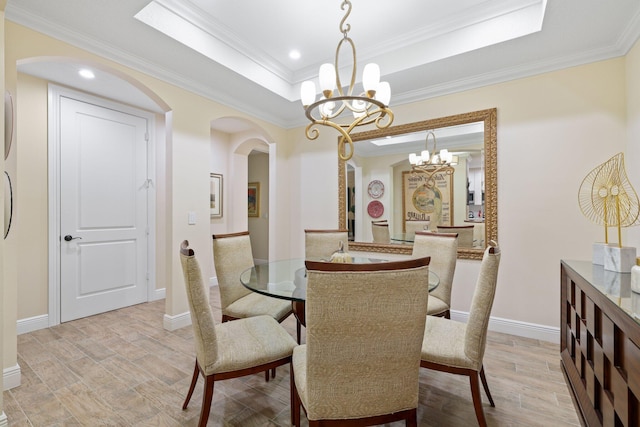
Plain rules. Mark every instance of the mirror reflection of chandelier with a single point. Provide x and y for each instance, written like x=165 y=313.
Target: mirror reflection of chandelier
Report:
x=345 y=111
x=434 y=162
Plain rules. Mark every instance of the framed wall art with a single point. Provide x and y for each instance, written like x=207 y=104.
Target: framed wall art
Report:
x=215 y=197
x=254 y=199
x=427 y=199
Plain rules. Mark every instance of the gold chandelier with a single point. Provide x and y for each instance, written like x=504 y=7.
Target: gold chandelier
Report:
x=434 y=162
x=345 y=111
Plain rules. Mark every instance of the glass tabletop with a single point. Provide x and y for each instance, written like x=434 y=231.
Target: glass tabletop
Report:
x=287 y=279
x=403 y=237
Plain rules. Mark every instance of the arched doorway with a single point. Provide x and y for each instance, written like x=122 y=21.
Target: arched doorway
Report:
x=245 y=154
x=112 y=87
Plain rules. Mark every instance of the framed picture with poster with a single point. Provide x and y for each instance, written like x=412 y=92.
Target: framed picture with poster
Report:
x=428 y=197
x=254 y=199
x=215 y=197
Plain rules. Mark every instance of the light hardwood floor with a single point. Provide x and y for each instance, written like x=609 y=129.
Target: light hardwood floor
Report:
x=123 y=369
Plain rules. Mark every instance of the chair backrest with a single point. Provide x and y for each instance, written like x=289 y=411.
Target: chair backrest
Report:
x=323 y=243
x=465 y=233
x=364 y=336
x=231 y=256
x=413 y=226
x=443 y=250
x=204 y=331
x=380 y=231
x=476 y=333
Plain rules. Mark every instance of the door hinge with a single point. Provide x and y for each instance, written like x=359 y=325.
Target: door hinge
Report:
x=146 y=136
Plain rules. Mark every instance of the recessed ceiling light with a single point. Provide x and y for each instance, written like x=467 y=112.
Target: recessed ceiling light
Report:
x=87 y=74
x=294 y=54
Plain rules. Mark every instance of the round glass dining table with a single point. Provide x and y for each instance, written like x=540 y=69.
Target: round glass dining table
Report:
x=287 y=279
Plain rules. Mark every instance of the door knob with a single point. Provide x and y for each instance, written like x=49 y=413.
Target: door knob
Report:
x=69 y=238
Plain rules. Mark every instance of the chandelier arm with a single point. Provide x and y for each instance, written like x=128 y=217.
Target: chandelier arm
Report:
x=435 y=149
x=311 y=132
x=344 y=138
x=344 y=100
x=352 y=84
x=386 y=114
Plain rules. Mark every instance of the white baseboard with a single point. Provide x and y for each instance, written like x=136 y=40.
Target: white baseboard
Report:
x=514 y=327
x=11 y=377
x=172 y=323
x=159 y=294
x=3 y=420
x=31 y=324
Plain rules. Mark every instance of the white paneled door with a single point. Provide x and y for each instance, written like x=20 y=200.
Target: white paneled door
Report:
x=103 y=209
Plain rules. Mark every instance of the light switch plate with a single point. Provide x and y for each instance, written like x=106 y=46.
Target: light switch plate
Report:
x=192 y=218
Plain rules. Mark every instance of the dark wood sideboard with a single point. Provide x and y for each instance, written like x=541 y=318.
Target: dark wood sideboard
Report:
x=600 y=343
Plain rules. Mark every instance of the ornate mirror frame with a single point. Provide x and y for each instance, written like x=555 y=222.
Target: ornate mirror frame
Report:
x=489 y=117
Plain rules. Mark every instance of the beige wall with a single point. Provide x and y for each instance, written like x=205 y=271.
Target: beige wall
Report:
x=32 y=203
x=184 y=174
x=3 y=3
x=632 y=150
x=552 y=130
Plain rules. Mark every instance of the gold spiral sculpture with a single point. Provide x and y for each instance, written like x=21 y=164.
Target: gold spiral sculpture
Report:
x=607 y=198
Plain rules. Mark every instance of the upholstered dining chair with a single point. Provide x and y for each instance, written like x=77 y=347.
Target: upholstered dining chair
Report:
x=231 y=256
x=443 y=250
x=231 y=349
x=365 y=325
x=413 y=226
x=458 y=348
x=465 y=233
x=323 y=243
x=380 y=231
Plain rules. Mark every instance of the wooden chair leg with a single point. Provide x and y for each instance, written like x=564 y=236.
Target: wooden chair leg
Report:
x=412 y=419
x=194 y=380
x=477 y=399
x=298 y=331
x=295 y=401
x=207 y=397
x=266 y=375
x=291 y=396
x=486 y=386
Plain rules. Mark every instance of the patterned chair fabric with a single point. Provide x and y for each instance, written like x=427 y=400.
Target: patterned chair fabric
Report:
x=365 y=324
x=443 y=250
x=458 y=348
x=230 y=349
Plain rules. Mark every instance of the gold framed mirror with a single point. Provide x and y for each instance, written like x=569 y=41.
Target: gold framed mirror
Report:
x=474 y=195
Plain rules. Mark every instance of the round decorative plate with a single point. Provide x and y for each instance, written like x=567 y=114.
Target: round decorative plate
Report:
x=376 y=189
x=375 y=209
